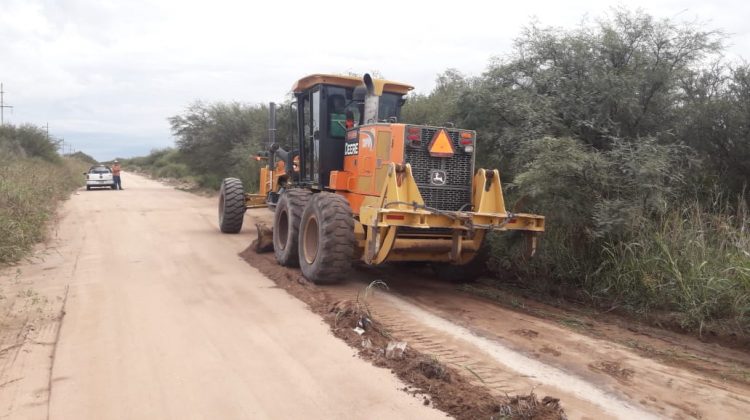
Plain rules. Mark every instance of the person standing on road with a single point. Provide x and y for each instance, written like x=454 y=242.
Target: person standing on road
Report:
x=116 y=175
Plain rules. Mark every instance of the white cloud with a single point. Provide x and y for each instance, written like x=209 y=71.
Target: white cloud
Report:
x=115 y=70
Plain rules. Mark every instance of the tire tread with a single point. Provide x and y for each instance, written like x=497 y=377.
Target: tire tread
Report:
x=234 y=205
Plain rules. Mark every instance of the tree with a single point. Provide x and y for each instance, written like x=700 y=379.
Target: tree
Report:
x=716 y=121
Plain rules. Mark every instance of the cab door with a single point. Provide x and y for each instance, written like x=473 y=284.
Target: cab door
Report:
x=309 y=134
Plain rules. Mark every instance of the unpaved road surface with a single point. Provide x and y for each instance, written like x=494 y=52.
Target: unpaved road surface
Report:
x=163 y=319
x=597 y=368
x=139 y=309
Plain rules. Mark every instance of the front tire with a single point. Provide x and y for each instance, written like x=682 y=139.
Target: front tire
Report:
x=286 y=220
x=231 y=205
x=326 y=244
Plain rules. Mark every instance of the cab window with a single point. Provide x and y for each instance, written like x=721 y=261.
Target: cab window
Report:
x=337 y=114
x=390 y=106
x=339 y=108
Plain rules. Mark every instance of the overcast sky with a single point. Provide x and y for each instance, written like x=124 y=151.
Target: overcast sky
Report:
x=107 y=74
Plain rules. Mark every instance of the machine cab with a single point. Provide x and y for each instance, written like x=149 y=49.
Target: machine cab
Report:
x=328 y=106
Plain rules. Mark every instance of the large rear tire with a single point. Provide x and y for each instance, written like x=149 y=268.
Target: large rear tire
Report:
x=286 y=220
x=326 y=244
x=231 y=205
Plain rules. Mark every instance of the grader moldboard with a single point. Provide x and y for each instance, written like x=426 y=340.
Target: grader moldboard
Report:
x=360 y=185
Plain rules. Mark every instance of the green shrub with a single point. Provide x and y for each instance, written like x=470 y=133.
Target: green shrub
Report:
x=172 y=170
x=27 y=141
x=210 y=181
x=29 y=192
x=694 y=261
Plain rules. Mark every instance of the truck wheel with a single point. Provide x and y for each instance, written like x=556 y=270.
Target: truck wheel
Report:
x=231 y=205
x=326 y=244
x=466 y=273
x=286 y=219
x=88 y=187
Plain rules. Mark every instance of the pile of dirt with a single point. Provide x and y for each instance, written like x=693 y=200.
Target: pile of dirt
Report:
x=436 y=383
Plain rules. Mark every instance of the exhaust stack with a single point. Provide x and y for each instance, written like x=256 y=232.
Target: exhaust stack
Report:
x=372 y=100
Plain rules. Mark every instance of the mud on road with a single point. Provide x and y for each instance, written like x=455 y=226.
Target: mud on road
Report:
x=497 y=346
x=437 y=382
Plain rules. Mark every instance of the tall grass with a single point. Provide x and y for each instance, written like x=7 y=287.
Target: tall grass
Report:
x=30 y=189
x=689 y=266
x=693 y=262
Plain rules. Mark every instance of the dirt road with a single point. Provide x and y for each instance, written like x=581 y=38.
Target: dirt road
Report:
x=162 y=320
x=599 y=367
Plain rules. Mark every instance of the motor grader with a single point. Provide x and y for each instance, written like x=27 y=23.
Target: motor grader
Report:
x=361 y=185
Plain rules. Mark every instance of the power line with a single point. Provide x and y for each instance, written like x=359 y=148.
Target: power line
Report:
x=2 y=106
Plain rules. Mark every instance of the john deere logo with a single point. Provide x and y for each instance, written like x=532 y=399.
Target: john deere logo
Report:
x=438 y=177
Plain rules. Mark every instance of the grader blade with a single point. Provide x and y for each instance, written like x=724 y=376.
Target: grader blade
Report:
x=264 y=243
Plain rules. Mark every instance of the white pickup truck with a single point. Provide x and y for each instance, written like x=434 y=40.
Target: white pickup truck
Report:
x=99 y=176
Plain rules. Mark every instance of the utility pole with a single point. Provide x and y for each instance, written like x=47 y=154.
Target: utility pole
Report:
x=2 y=106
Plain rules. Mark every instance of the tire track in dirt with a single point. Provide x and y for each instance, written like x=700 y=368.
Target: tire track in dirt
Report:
x=517 y=371
x=442 y=384
x=488 y=364
x=493 y=347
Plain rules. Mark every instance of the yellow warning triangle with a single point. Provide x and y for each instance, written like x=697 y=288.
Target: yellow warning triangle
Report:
x=441 y=145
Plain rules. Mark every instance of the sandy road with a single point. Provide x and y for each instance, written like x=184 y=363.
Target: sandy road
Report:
x=509 y=345
x=164 y=320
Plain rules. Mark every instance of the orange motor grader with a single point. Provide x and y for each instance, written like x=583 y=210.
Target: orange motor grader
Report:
x=360 y=185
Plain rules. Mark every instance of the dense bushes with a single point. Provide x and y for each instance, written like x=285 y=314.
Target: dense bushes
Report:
x=214 y=141
x=161 y=163
x=623 y=133
x=33 y=178
x=693 y=261
x=27 y=141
